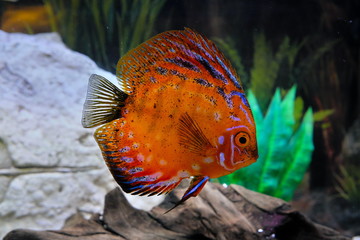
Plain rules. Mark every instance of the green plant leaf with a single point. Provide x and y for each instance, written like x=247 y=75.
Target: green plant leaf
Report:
x=266 y=66
x=298 y=111
x=322 y=115
x=348 y=184
x=300 y=149
x=264 y=70
x=281 y=118
x=255 y=108
x=229 y=49
x=96 y=28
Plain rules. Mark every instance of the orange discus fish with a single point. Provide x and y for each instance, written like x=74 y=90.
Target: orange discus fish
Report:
x=181 y=113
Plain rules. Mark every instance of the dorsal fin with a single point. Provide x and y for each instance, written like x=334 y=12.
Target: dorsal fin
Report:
x=103 y=102
x=184 y=54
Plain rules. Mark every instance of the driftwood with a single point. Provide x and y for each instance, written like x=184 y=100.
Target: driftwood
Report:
x=217 y=213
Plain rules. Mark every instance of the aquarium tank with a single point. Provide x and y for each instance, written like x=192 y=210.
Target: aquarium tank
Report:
x=297 y=64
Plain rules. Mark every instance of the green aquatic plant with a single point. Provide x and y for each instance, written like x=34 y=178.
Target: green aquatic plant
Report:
x=348 y=184
x=269 y=67
x=284 y=149
x=136 y=22
x=315 y=67
x=266 y=66
x=103 y=30
x=228 y=47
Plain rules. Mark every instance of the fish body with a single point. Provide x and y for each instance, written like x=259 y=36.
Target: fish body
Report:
x=181 y=113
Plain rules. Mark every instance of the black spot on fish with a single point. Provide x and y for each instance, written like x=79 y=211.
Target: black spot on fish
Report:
x=180 y=75
x=225 y=96
x=211 y=99
x=161 y=71
x=153 y=80
x=203 y=82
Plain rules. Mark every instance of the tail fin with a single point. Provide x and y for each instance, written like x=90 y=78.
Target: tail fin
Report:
x=103 y=102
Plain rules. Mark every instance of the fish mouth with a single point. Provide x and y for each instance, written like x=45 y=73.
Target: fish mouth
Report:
x=243 y=158
x=244 y=163
x=250 y=158
x=238 y=158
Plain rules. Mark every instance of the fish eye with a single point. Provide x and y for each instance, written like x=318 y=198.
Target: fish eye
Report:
x=242 y=139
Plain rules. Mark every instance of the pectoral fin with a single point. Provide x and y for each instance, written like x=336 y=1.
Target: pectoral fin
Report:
x=192 y=137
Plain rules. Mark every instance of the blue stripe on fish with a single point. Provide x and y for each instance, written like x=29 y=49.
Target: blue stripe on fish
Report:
x=228 y=72
x=196 y=187
x=213 y=72
x=183 y=63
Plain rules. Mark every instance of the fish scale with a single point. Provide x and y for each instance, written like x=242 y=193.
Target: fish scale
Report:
x=181 y=113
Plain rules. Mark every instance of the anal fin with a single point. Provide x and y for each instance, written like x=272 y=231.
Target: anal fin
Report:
x=194 y=189
x=124 y=163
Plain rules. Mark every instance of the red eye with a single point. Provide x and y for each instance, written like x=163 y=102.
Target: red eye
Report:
x=242 y=139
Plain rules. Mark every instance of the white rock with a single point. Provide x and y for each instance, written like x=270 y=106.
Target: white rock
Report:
x=5 y=160
x=4 y=184
x=44 y=200
x=50 y=166
x=42 y=89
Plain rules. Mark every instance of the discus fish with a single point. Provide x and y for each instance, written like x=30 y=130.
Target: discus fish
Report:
x=180 y=112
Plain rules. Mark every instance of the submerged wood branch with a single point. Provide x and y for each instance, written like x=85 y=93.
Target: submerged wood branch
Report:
x=217 y=213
